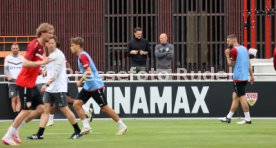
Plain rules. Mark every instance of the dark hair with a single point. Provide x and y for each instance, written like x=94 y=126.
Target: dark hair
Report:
x=78 y=41
x=56 y=40
x=232 y=36
x=15 y=44
x=137 y=29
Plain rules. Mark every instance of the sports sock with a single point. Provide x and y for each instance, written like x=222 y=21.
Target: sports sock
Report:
x=10 y=133
x=247 y=116
x=230 y=115
x=51 y=118
x=40 y=131
x=85 y=123
x=15 y=114
x=121 y=124
x=76 y=128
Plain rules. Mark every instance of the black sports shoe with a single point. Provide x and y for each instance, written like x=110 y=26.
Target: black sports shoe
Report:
x=76 y=135
x=35 y=137
x=225 y=120
x=91 y=112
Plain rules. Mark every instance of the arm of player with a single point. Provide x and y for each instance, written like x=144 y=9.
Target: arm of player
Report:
x=251 y=73
x=84 y=60
x=57 y=70
x=29 y=63
x=7 y=71
x=88 y=72
x=230 y=61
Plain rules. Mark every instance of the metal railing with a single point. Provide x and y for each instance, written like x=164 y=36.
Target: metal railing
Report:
x=152 y=77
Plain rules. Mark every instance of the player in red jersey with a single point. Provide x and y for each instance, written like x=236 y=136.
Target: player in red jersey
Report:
x=29 y=94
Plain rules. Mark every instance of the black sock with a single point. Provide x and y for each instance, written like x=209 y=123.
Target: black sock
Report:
x=76 y=128
x=40 y=131
x=15 y=114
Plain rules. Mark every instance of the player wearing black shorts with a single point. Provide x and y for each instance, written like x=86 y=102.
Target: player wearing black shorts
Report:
x=238 y=57
x=26 y=80
x=93 y=86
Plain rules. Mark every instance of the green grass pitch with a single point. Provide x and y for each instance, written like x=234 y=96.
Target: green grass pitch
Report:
x=156 y=134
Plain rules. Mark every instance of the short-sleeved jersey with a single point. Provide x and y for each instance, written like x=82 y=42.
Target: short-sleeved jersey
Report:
x=28 y=75
x=13 y=65
x=93 y=82
x=57 y=68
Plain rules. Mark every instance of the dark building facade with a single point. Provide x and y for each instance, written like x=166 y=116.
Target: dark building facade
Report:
x=197 y=28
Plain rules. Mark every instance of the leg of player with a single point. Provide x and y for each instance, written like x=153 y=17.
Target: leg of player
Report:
x=51 y=116
x=80 y=112
x=111 y=113
x=233 y=109
x=43 y=121
x=72 y=119
x=245 y=108
x=18 y=105
x=13 y=104
x=70 y=100
x=33 y=114
x=8 y=138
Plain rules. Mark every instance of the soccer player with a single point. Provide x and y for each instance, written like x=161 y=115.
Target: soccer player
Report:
x=93 y=87
x=13 y=65
x=55 y=91
x=29 y=94
x=70 y=101
x=238 y=57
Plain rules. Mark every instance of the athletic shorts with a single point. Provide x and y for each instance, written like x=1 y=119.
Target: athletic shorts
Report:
x=239 y=88
x=30 y=98
x=13 y=91
x=68 y=91
x=58 y=98
x=39 y=85
x=97 y=95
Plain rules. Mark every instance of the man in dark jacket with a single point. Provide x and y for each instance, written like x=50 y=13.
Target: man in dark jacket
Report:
x=164 y=53
x=138 y=49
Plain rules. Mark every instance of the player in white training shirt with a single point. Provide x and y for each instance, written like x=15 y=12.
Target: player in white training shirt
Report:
x=55 y=91
x=13 y=65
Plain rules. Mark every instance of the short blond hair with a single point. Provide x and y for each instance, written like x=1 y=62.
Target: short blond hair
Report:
x=43 y=28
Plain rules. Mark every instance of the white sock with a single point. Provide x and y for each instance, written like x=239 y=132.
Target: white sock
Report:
x=51 y=118
x=121 y=124
x=9 y=133
x=230 y=115
x=85 y=108
x=85 y=123
x=22 y=123
x=247 y=116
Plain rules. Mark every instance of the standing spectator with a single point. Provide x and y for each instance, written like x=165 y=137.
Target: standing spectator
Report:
x=138 y=49
x=13 y=65
x=164 y=53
